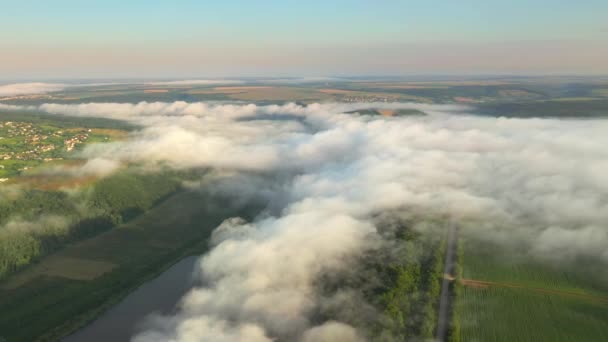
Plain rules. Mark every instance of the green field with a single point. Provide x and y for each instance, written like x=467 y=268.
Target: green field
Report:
x=555 y=108
x=130 y=254
x=393 y=112
x=505 y=314
x=528 y=300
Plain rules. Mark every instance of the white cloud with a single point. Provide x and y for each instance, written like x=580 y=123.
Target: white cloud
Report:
x=16 y=89
x=194 y=82
x=537 y=182
x=547 y=171
x=93 y=167
x=330 y=332
x=30 y=88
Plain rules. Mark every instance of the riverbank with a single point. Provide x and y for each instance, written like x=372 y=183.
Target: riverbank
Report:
x=158 y=294
x=51 y=306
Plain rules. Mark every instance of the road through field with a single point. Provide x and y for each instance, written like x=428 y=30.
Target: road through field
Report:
x=444 y=300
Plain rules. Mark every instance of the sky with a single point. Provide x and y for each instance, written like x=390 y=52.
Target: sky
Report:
x=79 y=39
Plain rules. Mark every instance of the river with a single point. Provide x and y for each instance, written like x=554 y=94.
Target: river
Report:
x=159 y=295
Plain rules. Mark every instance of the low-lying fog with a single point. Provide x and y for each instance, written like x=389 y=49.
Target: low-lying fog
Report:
x=539 y=183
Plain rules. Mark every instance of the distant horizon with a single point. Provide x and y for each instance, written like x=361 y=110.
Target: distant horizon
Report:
x=311 y=171
x=330 y=78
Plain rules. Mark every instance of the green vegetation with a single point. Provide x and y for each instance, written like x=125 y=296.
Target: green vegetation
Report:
x=491 y=262
x=508 y=296
x=476 y=92
x=507 y=314
x=500 y=90
x=139 y=250
x=402 y=283
x=35 y=222
x=412 y=294
x=456 y=290
x=63 y=121
x=27 y=144
x=558 y=109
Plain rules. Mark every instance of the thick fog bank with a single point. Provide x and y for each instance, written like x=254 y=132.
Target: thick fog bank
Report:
x=540 y=183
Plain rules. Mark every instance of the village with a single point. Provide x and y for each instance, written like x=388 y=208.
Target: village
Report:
x=24 y=144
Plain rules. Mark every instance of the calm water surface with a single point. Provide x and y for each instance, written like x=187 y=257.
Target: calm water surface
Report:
x=159 y=295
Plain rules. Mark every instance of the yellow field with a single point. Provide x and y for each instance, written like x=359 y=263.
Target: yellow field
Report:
x=226 y=90
x=516 y=93
x=241 y=88
x=365 y=94
x=280 y=94
x=61 y=266
x=115 y=134
x=386 y=112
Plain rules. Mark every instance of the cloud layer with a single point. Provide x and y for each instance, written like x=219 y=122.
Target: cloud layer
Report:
x=195 y=82
x=29 y=88
x=541 y=183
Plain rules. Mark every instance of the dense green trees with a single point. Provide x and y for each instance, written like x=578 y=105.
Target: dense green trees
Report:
x=412 y=294
x=126 y=195
x=393 y=288
x=29 y=204
x=65 y=121
x=34 y=222
x=398 y=299
x=454 y=333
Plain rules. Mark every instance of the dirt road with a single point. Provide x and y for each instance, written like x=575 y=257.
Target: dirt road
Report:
x=444 y=300
x=484 y=284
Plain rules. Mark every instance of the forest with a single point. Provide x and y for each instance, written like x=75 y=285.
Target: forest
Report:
x=34 y=222
x=400 y=281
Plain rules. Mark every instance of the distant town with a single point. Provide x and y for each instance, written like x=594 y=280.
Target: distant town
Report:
x=24 y=145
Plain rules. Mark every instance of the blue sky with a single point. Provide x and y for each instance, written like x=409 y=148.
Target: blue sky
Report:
x=158 y=38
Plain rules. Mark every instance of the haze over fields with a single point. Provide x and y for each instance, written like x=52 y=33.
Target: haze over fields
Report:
x=327 y=174
x=338 y=170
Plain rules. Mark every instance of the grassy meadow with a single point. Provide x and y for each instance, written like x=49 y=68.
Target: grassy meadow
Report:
x=502 y=295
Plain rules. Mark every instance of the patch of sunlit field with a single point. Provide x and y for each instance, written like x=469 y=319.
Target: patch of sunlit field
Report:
x=111 y=134
x=100 y=132
x=278 y=94
x=227 y=90
x=55 y=175
x=265 y=93
x=372 y=95
x=62 y=267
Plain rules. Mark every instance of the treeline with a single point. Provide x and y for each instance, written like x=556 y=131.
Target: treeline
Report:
x=448 y=93
x=454 y=332
x=552 y=109
x=390 y=293
x=34 y=223
x=410 y=298
x=64 y=121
